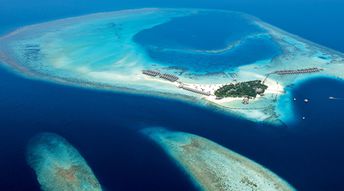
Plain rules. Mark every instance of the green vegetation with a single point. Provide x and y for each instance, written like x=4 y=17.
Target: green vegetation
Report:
x=242 y=89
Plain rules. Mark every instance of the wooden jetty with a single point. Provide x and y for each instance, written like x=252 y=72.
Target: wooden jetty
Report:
x=173 y=78
x=188 y=88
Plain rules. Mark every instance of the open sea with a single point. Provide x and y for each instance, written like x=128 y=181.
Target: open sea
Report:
x=104 y=126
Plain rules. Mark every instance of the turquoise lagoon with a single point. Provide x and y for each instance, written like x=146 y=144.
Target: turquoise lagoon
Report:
x=97 y=123
x=209 y=41
x=126 y=41
x=204 y=48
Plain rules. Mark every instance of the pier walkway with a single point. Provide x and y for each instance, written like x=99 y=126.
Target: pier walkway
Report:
x=188 y=88
x=173 y=78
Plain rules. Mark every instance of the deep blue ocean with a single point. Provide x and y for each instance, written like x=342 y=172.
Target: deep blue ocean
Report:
x=104 y=126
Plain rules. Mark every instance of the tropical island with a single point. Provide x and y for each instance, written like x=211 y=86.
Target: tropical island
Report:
x=248 y=89
x=229 y=60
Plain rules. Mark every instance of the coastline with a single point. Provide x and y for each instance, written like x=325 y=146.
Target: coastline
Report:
x=262 y=109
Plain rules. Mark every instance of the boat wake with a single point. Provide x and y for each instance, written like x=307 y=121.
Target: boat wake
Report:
x=336 y=98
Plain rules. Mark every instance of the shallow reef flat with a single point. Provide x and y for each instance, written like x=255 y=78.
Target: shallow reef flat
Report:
x=213 y=167
x=59 y=166
x=204 y=49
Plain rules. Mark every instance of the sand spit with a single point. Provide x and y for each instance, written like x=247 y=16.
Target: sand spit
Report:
x=213 y=167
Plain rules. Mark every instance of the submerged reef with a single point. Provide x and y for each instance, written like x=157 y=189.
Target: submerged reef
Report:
x=59 y=166
x=213 y=167
x=203 y=49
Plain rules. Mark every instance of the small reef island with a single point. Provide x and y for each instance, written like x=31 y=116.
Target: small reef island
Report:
x=248 y=89
x=213 y=167
x=224 y=60
x=59 y=166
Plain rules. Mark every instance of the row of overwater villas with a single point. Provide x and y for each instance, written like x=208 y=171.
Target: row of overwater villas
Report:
x=169 y=77
x=298 y=71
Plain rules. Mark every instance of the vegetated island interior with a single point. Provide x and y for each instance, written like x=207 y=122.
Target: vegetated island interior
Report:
x=248 y=89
